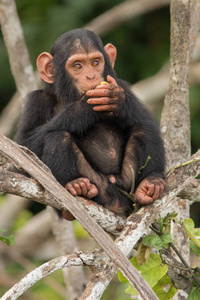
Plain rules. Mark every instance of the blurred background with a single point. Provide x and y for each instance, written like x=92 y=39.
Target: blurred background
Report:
x=143 y=44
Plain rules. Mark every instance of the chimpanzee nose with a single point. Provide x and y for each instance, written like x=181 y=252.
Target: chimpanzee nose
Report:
x=90 y=76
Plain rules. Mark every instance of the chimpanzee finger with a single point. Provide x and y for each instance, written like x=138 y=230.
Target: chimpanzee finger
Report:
x=101 y=108
x=93 y=192
x=150 y=189
x=102 y=92
x=156 y=193
x=111 y=80
x=71 y=189
x=83 y=187
x=87 y=182
x=106 y=108
x=77 y=187
x=144 y=200
x=101 y=101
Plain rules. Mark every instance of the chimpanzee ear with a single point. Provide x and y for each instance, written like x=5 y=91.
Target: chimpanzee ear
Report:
x=45 y=67
x=111 y=52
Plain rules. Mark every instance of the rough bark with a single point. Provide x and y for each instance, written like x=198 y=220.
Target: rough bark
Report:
x=64 y=201
x=175 y=121
x=139 y=222
x=18 y=55
x=136 y=224
x=191 y=192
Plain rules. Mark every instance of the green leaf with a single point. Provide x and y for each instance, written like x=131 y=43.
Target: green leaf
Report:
x=169 y=217
x=2 y=230
x=188 y=226
x=194 y=294
x=165 y=280
x=9 y=240
x=197 y=231
x=152 y=271
x=163 y=295
x=194 y=248
x=121 y=277
x=153 y=241
x=166 y=239
x=169 y=291
x=157 y=241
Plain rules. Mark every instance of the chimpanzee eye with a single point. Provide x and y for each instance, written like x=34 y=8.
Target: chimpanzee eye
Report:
x=95 y=63
x=77 y=66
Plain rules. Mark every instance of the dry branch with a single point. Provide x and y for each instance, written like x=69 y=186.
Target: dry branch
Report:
x=191 y=192
x=64 y=201
x=18 y=55
x=18 y=184
x=137 y=223
x=175 y=120
x=58 y=263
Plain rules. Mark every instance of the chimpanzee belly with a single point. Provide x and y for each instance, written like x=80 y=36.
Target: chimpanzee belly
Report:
x=103 y=147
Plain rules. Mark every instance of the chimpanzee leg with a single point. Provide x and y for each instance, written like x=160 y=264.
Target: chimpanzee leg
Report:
x=148 y=181
x=59 y=157
x=67 y=163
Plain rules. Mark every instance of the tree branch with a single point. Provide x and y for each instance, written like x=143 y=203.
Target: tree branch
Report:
x=47 y=268
x=64 y=201
x=18 y=184
x=137 y=223
x=18 y=55
x=191 y=191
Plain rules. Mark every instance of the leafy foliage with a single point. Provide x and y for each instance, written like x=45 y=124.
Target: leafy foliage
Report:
x=9 y=240
x=152 y=271
x=194 y=294
x=158 y=242
x=193 y=234
x=164 y=289
x=153 y=268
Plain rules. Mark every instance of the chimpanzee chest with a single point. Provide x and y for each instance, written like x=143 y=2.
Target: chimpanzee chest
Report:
x=103 y=147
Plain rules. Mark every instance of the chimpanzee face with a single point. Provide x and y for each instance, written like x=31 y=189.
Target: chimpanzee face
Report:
x=78 y=62
x=86 y=69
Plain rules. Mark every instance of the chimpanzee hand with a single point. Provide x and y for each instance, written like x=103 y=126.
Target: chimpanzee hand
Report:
x=79 y=187
x=82 y=187
x=149 y=189
x=107 y=97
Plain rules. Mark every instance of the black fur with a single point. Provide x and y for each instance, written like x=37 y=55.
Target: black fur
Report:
x=66 y=139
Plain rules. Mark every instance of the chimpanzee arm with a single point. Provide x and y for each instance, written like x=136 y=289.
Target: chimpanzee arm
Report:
x=75 y=118
x=39 y=118
x=38 y=110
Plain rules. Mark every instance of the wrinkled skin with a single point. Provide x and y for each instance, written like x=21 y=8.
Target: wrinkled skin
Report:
x=149 y=190
x=107 y=97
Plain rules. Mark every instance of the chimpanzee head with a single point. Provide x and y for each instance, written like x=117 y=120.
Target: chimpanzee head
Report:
x=77 y=62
